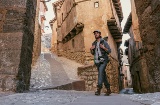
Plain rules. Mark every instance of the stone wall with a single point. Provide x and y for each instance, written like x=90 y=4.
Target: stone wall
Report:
x=74 y=49
x=139 y=73
x=89 y=73
x=17 y=31
x=54 y=38
x=37 y=36
x=67 y=19
x=10 y=50
x=113 y=74
x=77 y=56
x=149 y=20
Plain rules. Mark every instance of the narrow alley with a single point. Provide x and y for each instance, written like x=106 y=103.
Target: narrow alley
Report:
x=79 y=52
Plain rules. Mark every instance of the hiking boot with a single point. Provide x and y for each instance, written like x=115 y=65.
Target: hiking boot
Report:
x=108 y=92
x=98 y=92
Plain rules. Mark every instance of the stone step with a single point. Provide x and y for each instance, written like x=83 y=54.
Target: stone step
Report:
x=76 y=85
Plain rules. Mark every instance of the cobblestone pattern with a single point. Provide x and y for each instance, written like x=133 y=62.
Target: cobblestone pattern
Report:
x=90 y=75
x=149 y=20
x=48 y=97
x=41 y=74
x=146 y=99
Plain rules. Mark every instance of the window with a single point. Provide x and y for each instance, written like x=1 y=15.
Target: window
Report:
x=96 y=4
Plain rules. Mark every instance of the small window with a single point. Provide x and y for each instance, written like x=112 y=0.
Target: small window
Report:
x=73 y=43
x=96 y=4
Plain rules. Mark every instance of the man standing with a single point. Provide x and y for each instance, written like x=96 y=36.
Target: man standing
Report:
x=100 y=49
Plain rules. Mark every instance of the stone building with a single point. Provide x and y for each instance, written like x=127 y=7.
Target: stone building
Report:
x=37 y=35
x=42 y=12
x=54 y=48
x=149 y=20
x=135 y=59
x=143 y=46
x=17 y=19
x=39 y=28
x=73 y=29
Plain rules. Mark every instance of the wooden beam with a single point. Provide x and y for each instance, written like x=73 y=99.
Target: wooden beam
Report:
x=113 y=27
x=118 y=40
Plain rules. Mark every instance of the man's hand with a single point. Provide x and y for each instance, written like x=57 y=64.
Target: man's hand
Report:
x=93 y=47
x=102 y=46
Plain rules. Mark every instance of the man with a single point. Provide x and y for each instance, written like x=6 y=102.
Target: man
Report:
x=100 y=49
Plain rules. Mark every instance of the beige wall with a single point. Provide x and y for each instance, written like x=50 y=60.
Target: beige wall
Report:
x=37 y=36
x=93 y=19
x=54 y=38
x=75 y=52
x=69 y=13
x=135 y=22
x=78 y=11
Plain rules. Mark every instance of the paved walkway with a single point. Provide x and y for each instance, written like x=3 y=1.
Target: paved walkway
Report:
x=56 y=97
x=51 y=71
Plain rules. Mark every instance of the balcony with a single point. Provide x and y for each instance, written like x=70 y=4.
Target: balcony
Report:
x=75 y=31
x=115 y=30
x=118 y=8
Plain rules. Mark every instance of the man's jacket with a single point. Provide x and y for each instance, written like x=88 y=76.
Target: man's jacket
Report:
x=104 y=53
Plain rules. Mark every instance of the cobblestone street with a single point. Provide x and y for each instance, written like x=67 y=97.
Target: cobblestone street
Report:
x=51 y=71
x=57 y=97
x=62 y=97
x=66 y=52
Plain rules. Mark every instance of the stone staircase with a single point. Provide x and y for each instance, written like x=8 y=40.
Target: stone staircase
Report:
x=52 y=72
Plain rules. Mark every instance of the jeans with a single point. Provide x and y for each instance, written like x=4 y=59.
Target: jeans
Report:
x=102 y=78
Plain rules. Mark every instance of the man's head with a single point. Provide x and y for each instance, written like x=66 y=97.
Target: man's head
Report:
x=97 y=34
